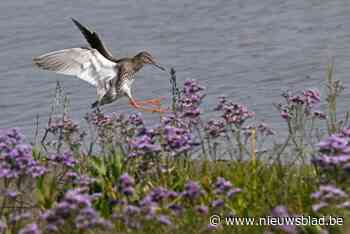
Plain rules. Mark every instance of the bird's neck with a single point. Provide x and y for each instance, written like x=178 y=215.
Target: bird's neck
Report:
x=137 y=63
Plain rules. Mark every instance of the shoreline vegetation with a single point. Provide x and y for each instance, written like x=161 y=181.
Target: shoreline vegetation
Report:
x=116 y=174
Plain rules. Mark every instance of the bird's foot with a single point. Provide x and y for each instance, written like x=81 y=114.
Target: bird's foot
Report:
x=139 y=105
x=156 y=110
x=154 y=101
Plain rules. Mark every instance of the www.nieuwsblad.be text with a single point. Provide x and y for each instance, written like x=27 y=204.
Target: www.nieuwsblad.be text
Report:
x=216 y=220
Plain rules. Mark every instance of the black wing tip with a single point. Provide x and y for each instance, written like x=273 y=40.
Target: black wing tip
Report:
x=76 y=22
x=82 y=28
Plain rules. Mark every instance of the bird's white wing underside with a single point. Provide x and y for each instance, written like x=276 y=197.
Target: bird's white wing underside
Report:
x=84 y=63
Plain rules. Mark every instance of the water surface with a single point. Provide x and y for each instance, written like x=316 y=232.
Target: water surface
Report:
x=249 y=50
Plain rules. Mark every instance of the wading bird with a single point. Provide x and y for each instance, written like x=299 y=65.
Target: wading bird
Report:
x=112 y=77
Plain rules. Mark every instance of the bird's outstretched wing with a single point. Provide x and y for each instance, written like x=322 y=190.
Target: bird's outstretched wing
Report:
x=94 y=41
x=85 y=63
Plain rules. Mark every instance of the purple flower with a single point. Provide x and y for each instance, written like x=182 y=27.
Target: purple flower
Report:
x=149 y=207
x=232 y=192
x=66 y=158
x=312 y=96
x=328 y=195
x=126 y=184
x=16 y=158
x=159 y=194
x=190 y=100
x=11 y=193
x=30 y=229
x=264 y=129
x=67 y=125
x=331 y=161
x=282 y=211
x=178 y=140
x=77 y=205
x=296 y=99
x=285 y=114
x=222 y=185
x=3 y=227
x=319 y=115
x=234 y=113
x=17 y=217
x=177 y=209
x=203 y=210
x=215 y=128
x=163 y=219
x=334 y=142
x=131 y=210
x=143 y=144
x=192 y=87
x=218 y=203
x=136 y=119
x=89 y=218
x=126 y=181
x=317 y=207
x=345 y=132
x=192 y=190
x=328 y=192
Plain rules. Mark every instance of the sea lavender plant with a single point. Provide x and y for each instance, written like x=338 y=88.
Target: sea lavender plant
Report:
x=144 y=143
x=330 y=196
x=190 y=100
x=30 y=229
x=233 y=113
x=126 y=184
x=282 y=212
x=178 y=140
x=16 y=158
x=333 y=158
x=74 y=212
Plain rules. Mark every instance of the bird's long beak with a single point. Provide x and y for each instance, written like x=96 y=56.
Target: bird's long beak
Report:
x=160 y=67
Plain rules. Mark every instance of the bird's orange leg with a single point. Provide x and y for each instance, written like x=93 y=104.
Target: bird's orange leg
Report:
x=139 y=105
x=153 y=101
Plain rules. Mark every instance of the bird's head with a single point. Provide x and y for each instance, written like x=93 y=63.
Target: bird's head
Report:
x=147 y=58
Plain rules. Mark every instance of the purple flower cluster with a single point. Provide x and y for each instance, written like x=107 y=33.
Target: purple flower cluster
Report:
x=136 y=119
x=328 y=195
x=190 y=100
x=154 y=200
x=215 y=128
x=335 y=151
x=76 y=205
x=192 y=190
x=312 y=96
x=178 y=140
x=3 y=227
x=261 y=128
x=16 y=157
x=126 y=184
x=102 y=120
x=65 y=124
x=223 y=186
x=144 y=143
x=282 y=211
x=30 y=229
x=308 y=99
x=99 y=119
x=147 y=208
x=233 y=113
x=66 y=159
x=335 y=143
x=326 y=161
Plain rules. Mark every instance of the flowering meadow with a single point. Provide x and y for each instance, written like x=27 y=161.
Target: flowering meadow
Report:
x=117 y=174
